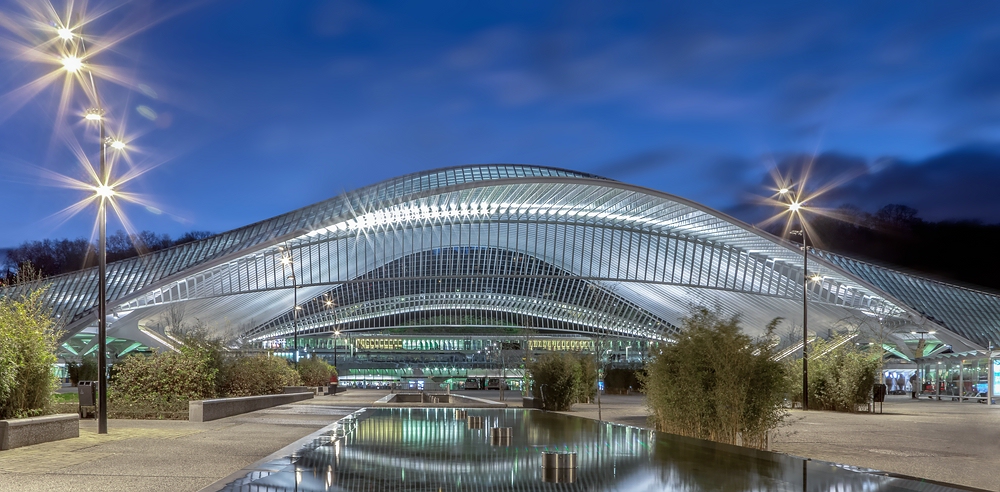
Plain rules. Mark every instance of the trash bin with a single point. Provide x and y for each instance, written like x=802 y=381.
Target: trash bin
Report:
x=87 y=394
x=879 y=392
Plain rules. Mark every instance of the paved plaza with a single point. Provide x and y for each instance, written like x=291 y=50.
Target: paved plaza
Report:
x=938 y=440
x=944 y=441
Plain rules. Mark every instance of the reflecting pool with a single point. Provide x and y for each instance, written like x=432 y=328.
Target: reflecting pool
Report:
x=441 y=449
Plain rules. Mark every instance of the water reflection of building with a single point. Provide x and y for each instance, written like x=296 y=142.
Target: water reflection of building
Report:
x=431 y=450
x=429 y=447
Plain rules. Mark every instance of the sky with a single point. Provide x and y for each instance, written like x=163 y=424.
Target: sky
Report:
x=235 y=111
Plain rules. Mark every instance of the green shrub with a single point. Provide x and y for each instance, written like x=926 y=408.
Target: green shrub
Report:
x=158 y=385
x=257 y=375
x=27 y=354
x=557 y=380
x=716 y=382
x=314 y=371
x=588 y=379
x=210 y=350
x=840 y=378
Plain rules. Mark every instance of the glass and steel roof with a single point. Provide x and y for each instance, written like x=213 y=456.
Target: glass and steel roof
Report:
x=569 y=251
x=971 y=313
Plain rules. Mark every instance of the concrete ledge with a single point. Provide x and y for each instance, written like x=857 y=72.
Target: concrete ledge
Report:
x=298 y=389
x=207 y=410
x=34 y=430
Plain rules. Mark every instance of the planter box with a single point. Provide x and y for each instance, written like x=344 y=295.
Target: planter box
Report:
x=206 y=410
x=34 y=430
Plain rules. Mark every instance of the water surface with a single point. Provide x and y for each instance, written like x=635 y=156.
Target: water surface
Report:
x=429 y=449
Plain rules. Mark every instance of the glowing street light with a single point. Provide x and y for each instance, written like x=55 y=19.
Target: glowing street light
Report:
x=104 y=191
x=65 y=33
x=784 y=191
x=117 y=145
x=71 y=63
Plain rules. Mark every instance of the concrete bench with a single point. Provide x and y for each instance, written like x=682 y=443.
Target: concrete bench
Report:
x=15 y=433
x=208 y=410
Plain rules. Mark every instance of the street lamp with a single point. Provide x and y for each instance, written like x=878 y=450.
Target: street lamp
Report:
x=286 y=260
x=104 y=192
x=330 y=304
x=335 y=344
x=795 y=207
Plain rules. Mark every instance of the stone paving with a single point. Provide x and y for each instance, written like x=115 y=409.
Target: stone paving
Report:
x=140 y=455
x=945 y=441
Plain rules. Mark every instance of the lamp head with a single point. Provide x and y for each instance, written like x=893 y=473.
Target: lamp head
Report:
x=794 y=206
x=71 y=63
x=104 y=191
x=65 y=33
x=94 y=114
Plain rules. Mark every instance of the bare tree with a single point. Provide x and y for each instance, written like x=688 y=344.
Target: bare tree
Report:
x=172 y=320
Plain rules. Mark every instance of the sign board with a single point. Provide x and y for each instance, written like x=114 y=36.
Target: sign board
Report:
x=996 y=375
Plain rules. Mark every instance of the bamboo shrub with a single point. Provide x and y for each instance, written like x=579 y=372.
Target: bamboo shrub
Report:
x=716 y=382
x=27 y=354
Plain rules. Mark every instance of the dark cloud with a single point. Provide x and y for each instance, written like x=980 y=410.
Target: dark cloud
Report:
x=962 y=184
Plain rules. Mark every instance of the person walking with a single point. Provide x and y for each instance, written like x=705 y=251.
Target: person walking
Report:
x=913 y=386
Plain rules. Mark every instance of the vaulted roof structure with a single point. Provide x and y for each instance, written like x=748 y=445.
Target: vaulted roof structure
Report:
x=502 y=245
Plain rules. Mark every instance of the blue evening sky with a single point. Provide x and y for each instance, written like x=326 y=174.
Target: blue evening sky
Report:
x=253 y=108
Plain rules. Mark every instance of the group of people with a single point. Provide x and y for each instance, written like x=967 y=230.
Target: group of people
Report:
x=896 y=385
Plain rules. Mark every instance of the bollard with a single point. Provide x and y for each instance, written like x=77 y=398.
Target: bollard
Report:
x=558 y=467
x=461 y=414
x=559 y=475
x=500 y=436
x=500 y=433
x=474 y=422
x=558 y=460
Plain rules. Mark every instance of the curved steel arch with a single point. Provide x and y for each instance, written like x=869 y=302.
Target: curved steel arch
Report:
x=596 y=230
x=656 y=251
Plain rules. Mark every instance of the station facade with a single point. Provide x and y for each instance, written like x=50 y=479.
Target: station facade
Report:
x=439 y=263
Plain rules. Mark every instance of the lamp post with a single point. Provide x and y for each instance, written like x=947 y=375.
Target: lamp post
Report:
x=335 y=344
x=73 y=61
x=795 y=207
x=286 y=259
x=332 y=305
x=103 y=192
